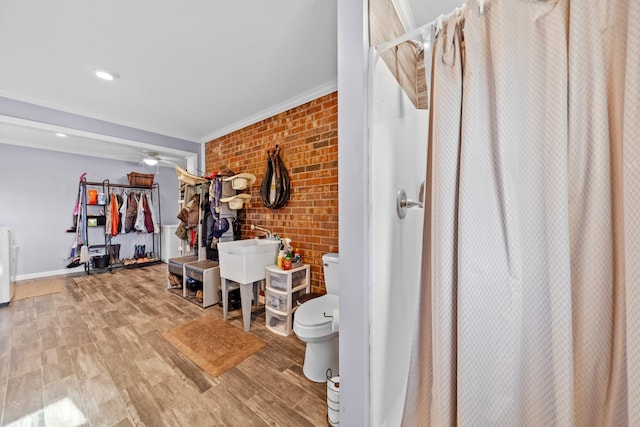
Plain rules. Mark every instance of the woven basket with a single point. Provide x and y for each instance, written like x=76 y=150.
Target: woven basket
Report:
x=137 y=179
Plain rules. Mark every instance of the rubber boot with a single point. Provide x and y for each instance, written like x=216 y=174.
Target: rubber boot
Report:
x=110 y=252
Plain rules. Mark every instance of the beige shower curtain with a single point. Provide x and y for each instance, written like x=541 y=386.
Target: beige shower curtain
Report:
x=530 y=295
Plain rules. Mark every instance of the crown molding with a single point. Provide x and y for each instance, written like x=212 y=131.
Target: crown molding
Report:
x=272 y=111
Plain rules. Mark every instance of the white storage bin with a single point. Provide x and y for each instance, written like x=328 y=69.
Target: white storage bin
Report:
x=278 y=323
x=279 y=281
x=276 y=300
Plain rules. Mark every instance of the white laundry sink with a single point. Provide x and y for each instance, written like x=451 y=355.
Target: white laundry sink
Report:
x=243 y=261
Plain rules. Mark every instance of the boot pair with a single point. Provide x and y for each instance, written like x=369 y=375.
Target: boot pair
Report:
x=114 y=254
x=139 y=251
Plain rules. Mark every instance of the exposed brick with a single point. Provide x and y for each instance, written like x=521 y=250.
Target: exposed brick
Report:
x=307 y=136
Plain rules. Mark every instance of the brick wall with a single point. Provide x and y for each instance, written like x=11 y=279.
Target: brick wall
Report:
x=308 y=140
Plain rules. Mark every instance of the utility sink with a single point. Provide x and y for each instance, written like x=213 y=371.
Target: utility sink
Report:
x=243 y=261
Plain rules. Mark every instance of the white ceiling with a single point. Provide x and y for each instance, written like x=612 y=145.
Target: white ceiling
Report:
x=192 y=70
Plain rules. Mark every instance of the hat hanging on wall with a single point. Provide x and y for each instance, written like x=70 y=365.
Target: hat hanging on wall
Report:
x=220 y=227
x=237 y=201
x=241 y=181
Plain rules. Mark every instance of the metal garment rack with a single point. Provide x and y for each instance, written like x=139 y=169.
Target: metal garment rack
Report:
x=106 y=189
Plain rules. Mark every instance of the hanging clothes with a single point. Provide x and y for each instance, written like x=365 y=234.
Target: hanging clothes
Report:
x=114 y=225
x=139 y=224
x=131 y=213
x=152 y=211
x=123 y=213
x=148 y=221
x=108 y=213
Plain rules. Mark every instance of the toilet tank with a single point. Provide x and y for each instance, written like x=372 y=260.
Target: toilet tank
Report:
x=330 y=263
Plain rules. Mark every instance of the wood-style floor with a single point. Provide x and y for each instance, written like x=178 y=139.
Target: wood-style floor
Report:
x=94 y=355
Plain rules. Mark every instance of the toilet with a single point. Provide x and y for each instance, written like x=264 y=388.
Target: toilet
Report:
x=314 y=324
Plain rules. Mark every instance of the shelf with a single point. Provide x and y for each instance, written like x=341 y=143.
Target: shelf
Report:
x=282 y=291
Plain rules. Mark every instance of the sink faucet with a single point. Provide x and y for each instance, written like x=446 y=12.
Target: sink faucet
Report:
x=267 y=233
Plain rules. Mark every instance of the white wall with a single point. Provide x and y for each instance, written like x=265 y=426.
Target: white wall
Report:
x=353 y=199
x=38 y=190
x=398 y=138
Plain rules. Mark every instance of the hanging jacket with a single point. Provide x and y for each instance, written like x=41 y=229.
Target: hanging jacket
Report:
x=132 y=212
x=154 y=218
x=123 y=214
x=115 y=219
x=189 y=213
x=139 y=224
x=148 y=221
x=208 y=221
x=107 y=217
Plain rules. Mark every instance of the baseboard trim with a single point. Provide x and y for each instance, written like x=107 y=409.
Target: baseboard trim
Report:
x=39 y=275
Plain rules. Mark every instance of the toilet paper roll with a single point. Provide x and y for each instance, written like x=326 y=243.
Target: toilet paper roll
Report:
x=335 y=323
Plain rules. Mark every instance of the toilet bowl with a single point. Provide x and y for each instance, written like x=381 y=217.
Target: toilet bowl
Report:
x=314 y=324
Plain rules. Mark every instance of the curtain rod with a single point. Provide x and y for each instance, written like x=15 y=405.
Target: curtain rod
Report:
x=410 y=35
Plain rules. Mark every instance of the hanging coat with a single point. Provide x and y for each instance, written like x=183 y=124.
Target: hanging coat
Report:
x=139 y=224
x=123 y=213
x=115 y=218
x=132 y=212
x=148 y=221
x=154 y=218
x=107 y=217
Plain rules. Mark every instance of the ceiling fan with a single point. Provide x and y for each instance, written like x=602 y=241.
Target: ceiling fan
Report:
x=153 y=158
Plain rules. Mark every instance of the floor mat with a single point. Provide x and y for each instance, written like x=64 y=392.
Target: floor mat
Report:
x=38 y=288
x=213 y=344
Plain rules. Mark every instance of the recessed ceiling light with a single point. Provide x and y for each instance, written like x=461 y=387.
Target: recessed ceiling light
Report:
x=60 y=134
x=106 y=75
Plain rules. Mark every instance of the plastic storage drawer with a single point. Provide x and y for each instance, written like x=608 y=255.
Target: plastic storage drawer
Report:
x=276 y=300
x=278 y=281
x=278 y=323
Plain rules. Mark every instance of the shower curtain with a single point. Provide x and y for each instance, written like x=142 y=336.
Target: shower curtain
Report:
x=530 y=291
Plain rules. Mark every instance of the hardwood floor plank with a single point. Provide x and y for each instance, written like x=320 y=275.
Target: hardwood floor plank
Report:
x=154 y=370
x=63 y=405
x=240 y=385
x=56 y=364
x=231 y=411
x=313 y=409
x=275 y=359
x=24 y=398
x=145 y=408
x=86 y=362
x=25 y=358
x=274 y=412
x=296 y=375
x=288 y=392
x=159 y=344
x=123 y=374
x=97 y=351
x=192 y=372
x=102 y=402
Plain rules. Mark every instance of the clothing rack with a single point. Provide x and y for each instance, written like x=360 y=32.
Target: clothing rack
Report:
x=156 y=238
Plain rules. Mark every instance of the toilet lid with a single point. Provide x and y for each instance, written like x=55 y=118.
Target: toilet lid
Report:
x=311 y=312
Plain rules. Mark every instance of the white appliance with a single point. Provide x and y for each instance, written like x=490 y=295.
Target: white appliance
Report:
x=170 y=242
x=8 y=255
